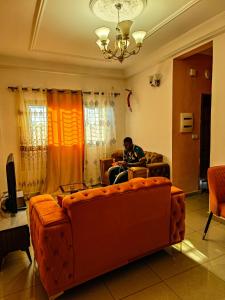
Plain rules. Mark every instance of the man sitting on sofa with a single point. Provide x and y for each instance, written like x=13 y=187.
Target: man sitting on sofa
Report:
x=133 y=156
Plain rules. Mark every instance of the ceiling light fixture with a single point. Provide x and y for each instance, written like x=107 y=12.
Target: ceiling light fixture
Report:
x=123 y=9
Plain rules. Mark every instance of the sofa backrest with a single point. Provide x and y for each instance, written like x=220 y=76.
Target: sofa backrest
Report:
x=115 y=224
x=151 y=157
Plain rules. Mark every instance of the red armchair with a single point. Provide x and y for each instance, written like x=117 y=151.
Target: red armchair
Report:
x=216 y=182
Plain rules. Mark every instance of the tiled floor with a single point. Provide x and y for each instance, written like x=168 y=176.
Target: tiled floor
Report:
x=192 y=270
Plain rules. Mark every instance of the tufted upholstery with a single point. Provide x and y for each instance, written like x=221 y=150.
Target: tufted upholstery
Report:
x=154 y=163
x=177 y=217
x=98 y=230
x=52 y=242
x=216 y=181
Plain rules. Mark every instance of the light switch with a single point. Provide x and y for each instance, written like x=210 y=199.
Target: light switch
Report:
x=186 y=122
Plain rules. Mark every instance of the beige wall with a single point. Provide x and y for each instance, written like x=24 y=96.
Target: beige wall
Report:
x=218 y=103
x=14 y=77
x=150 y=122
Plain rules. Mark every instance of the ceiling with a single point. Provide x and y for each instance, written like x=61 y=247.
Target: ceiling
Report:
x=63 y=30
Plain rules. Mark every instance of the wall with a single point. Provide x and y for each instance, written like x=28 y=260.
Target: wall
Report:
x=187 y=93
x=218 y=103
x=31 y=78
x=150 y=122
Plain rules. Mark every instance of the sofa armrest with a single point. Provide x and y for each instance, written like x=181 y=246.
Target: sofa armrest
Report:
x=158 y=169
x=51 y=236
x=105 y=164
x=134 y=172
x=177 y=219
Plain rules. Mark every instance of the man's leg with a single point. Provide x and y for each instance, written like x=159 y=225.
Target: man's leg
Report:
x=121 y=177
x=113 y=172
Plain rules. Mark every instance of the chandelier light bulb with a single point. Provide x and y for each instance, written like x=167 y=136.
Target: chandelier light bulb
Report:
x=123 y=44
x=102 y=33
x=124 y=27
x=139 y=37
x=103 y=46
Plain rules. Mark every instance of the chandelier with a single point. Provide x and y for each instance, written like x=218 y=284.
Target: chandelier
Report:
x=120 y=11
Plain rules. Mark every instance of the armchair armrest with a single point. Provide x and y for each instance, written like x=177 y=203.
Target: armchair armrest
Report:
x=105 y=164
x=158 y=169
x=52 y=241
x=134 y=172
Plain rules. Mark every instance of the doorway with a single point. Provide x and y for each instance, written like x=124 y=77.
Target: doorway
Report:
x=205 y=129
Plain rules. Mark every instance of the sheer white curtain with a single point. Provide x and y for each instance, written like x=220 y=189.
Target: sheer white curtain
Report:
x=32 y=118
x=100 y=133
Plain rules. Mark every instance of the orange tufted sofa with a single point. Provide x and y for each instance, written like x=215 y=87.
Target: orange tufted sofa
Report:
x=98 y=230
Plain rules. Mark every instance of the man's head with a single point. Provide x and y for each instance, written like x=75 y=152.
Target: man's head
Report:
x=128 y=143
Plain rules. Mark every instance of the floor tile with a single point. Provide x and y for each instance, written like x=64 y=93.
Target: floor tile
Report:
x=17 y=275
x=216 y=234
x=93 y=290
x=166 y=264
x=197 y=220
x=217 y=267
x=201 y=250
x=32 y=293
x=156 y=292
x=197 y=202
x=130 y=279
x=197 y=283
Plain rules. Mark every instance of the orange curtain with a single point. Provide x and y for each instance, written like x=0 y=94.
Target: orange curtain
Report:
x=65 y=139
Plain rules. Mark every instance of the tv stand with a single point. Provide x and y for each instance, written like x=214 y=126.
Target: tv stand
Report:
x=14 y=234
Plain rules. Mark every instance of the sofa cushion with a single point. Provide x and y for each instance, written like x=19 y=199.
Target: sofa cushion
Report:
x=153 y=157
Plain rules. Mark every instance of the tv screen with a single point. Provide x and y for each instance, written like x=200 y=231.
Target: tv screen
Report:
x=11 y=204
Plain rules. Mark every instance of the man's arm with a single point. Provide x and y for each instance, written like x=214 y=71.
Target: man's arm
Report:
x=140 y=163
x=141 y=156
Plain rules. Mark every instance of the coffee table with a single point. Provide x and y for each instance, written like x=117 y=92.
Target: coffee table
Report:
x=73 y=187
x=70 y=189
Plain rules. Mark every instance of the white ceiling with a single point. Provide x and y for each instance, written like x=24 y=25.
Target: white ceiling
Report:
x=63 y=30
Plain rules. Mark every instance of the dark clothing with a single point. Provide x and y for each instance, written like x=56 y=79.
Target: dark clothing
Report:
x=134 y=155
x=118 y=174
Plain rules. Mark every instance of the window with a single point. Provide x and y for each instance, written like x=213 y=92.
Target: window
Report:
x=94 y=129
x=38 y=124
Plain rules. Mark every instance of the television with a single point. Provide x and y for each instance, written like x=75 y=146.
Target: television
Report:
x=13 y=202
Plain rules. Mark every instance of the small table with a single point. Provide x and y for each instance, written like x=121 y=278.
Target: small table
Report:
x=70 y=189
x=14 y=234
x=73 y=187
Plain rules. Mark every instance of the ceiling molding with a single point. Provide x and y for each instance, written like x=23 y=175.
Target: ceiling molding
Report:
x=69 y=55
x=39 y=11
x=173 y=16
x=172 y=50
x=38 y=15
x=9 y=62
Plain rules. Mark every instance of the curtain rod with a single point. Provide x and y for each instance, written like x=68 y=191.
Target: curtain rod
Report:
x=15 y=88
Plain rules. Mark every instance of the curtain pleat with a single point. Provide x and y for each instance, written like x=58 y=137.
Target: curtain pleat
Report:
x=32 y=120
x=100 y=133
x=65 y=139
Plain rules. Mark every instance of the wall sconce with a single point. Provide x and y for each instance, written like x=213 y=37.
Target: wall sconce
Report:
x=192 y=72
x=207 y=74
x=155 y=79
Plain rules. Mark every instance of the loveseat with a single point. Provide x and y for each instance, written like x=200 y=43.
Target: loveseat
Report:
x=154 y=166
x=98 y=230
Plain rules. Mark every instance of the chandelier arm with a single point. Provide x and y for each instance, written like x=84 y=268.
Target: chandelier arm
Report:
x=133 y=52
